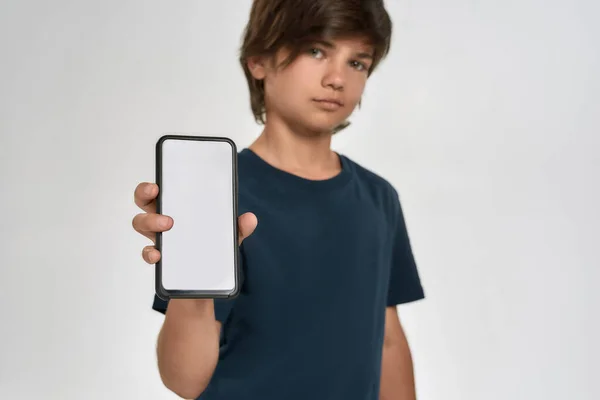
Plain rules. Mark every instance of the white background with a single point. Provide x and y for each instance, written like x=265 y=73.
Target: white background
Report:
x=485 y=117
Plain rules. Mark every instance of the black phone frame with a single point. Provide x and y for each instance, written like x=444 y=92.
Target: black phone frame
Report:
x=160 y=290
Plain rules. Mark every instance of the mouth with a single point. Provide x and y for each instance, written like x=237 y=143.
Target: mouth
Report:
x=329 y=102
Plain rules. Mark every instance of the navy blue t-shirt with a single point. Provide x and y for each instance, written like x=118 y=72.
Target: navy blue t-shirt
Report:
x=325 y=260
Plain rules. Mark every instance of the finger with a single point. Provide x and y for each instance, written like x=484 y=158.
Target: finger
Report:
x=145 y=195
x=247 y=224
x=149 y=224
x=152 y=222
x=150 y=254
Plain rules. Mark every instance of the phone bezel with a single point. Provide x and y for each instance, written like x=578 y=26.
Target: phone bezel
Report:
x=160 y=290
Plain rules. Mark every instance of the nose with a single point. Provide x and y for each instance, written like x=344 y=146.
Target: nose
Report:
x=334 y=76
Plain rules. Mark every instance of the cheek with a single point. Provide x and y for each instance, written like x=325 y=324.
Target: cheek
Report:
x=275 y=86
x=286 y=89
x=355 y=90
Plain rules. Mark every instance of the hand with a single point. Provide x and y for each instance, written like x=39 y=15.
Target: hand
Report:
x=149 y=223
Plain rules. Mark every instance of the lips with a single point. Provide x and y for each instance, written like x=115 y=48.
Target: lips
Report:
x=330 y=102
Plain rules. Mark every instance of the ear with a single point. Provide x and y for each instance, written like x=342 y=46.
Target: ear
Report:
x=256 y=66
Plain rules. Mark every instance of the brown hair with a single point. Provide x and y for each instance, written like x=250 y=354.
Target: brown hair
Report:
x=294 y=24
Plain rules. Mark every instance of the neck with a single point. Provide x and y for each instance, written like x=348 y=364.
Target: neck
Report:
x=306 y=155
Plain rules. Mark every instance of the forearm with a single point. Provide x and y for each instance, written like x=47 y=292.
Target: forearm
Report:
x=188 y=346
x=397 y=376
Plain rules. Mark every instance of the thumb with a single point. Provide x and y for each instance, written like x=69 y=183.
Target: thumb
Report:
x=246 y=224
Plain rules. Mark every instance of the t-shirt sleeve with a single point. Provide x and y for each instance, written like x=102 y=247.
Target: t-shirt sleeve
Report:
x=223 y=307
x=405 y=284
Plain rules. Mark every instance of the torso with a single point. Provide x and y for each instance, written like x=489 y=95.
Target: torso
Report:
x=309 y=320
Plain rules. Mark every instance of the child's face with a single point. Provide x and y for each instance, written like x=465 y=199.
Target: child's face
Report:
x=319 y=89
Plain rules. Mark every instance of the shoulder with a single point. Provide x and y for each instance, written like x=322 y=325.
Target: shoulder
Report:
x=379 y=187
x=370 y=177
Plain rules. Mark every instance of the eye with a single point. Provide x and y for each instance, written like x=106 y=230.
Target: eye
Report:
x=358 y=65
x=315 y=52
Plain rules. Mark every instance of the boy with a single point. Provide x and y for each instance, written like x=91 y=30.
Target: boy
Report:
x=325 y=255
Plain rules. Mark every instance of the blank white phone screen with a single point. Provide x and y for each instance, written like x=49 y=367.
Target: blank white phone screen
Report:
x=197 y=192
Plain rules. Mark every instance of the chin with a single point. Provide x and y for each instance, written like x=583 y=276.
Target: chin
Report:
x=321 y=125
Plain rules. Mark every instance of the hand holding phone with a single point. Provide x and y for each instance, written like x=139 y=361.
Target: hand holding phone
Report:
x=149 y=223
x=198 y=176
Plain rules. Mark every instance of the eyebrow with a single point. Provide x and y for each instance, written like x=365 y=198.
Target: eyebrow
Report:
x=365 y=56
x=362 y=55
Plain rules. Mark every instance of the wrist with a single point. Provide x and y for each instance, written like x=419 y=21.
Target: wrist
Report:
x=192 y=308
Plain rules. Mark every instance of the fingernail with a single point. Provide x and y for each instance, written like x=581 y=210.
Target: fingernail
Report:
x=164 y=222
x=149 y=190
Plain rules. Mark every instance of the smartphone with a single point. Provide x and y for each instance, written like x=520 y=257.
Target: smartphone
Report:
x=198 y=188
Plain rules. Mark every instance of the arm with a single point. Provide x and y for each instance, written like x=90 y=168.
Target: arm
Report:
x=397 y=375
x=188 y=343
x=188 y=346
